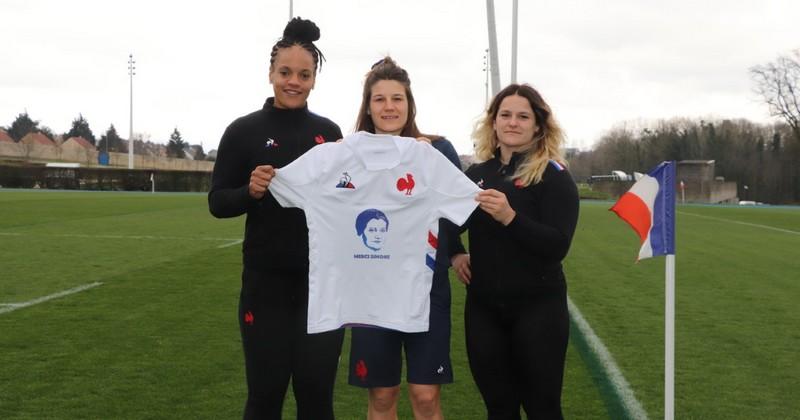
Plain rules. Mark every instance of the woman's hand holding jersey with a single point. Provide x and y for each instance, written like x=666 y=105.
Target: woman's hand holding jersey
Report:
x=496 y=205
x=461 y=265
x=259 y=180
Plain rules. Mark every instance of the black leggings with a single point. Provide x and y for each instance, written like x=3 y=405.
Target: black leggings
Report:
x=272 y=319
x=516 y=354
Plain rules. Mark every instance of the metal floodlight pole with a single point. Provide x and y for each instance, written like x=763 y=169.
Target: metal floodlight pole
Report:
x=514 y=43
x=291 y=9
x=131 y=72
x=486 y=71
x=493 y=60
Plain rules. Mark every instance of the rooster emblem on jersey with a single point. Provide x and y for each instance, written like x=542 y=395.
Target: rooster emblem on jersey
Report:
x=406 y=184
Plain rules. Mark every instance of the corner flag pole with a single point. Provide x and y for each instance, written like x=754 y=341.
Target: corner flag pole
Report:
x=669 y=339
x=649 y=208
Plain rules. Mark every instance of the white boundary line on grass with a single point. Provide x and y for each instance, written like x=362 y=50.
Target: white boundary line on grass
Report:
x=236 y=242
x=632 y=407
x=742 y=223
x=9 y=307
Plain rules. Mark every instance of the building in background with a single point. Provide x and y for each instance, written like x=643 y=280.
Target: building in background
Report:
x=695 y=183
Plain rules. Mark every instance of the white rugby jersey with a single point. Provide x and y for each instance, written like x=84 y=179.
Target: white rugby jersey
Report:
x=372 y=205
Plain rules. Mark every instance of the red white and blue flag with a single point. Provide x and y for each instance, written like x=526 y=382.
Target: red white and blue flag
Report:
x=649 y=207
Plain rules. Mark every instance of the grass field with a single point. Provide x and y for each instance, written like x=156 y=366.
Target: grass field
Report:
x=154 y=334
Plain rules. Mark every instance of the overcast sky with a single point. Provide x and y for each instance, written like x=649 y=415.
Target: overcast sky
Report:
x=199 y=65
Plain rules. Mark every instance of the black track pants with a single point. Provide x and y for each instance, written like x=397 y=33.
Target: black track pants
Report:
x=516 y=354
x=272 y=319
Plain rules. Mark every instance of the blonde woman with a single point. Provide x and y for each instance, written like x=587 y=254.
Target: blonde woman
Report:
x=516 y=319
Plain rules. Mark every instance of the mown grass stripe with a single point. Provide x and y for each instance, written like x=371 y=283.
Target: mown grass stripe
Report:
x=87 y=236
x=623 y=402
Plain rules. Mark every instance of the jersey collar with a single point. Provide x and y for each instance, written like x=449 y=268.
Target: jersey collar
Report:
x=378 y=151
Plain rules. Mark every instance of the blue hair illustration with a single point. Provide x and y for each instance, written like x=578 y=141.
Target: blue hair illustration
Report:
x=365 y=216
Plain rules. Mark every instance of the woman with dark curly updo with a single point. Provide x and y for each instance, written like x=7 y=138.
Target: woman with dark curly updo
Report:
x=274 y=296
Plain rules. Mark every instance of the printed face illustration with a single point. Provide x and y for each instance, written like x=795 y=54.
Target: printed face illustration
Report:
x=372 y=226
x=374 y=234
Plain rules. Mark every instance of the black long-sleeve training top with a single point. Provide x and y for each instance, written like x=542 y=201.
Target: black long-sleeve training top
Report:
x=524 y=258
x=275 y=237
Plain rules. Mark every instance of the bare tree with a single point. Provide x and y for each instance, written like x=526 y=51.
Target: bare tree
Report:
x=778 y=84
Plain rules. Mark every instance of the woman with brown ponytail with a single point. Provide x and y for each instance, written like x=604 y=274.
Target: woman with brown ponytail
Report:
x=388 y=107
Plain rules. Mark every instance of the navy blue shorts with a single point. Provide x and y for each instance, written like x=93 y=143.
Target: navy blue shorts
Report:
x=376 y=353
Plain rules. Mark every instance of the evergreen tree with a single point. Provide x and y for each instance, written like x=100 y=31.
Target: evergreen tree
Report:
x=21 y=126
x=111 y=142
x=80 y=128
x=176 y=145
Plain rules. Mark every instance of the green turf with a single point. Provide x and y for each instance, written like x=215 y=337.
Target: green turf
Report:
x=159 y=338
x=736 y=323
x=585 y=191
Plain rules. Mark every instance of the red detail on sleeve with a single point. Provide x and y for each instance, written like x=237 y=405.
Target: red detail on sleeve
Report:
x=433 y=240
x=319 y=139
x=248 y=318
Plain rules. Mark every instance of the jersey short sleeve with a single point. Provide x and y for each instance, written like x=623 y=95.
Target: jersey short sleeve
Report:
x=456 y=191
x=294 y=182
